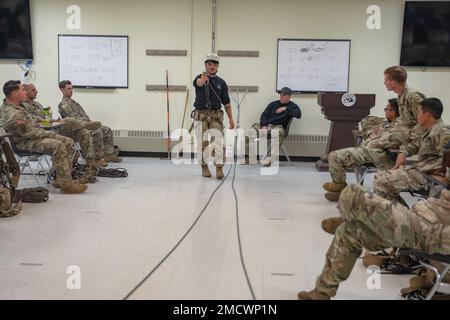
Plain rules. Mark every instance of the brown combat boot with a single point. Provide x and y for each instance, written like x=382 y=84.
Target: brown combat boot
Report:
x=219 y=173
x=312 y=295
x=100 y=163
x=73 y=187
x=205 y=171
x=334 y=187
x=93 y=125
x=90 y=172
x=331 y=224
x=267 y=162
x=332 y=196
x=112 y=158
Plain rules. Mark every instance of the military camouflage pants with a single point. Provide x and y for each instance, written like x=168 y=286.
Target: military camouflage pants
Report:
x=349 y=158
x=256 y=127
x=403 y=134
x=390 y=183
x=375 y=223
x=75 y=130
x=61 y=150
x=210 y=120
x=103 y=142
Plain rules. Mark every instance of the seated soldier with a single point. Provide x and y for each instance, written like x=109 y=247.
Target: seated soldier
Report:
x=429 y=149
x=102 y=138
x=374 y=150
x=29 y=136
x=374 y=223
x=69 y=127
x=276 y=117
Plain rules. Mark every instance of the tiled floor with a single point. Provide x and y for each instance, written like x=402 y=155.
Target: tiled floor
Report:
x=121 y=229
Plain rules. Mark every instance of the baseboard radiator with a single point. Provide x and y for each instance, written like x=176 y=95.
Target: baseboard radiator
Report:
x=154 y=141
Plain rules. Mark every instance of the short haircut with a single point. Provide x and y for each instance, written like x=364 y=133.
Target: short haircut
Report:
x=394 y=105
x=397 y=74
x=27 y=85
x=11 y=86
x=64 y=83
x=433 y=106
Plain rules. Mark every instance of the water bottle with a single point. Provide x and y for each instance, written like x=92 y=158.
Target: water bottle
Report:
x=46 y=114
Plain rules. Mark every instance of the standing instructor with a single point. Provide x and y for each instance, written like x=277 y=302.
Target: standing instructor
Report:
x=211 y=92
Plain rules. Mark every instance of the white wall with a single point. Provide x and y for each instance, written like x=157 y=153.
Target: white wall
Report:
x=241 y=25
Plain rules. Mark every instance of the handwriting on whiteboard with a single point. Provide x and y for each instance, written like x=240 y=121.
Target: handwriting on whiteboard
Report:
x=312 y=65
x=94 y=60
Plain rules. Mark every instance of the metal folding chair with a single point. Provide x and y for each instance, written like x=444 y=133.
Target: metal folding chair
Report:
x=23 y=160
x=282 y=147
x=438 y=286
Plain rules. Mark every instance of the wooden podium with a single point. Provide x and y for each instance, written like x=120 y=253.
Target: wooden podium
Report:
x=344 y=119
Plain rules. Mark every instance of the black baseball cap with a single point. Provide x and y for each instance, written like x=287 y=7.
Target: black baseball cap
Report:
x=286 y=91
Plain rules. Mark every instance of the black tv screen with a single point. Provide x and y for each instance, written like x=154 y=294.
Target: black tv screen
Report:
x=426 y=34
x=15 y=30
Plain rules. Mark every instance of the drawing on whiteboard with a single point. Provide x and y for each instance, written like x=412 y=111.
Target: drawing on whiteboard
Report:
x=313 y=65
x=117 y=48
x=94 y=61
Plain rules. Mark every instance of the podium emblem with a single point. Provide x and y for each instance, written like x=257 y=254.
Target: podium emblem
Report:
x=348 y=99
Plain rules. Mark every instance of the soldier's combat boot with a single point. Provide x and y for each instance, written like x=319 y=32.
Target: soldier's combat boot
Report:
x=73 y=187
x=100 y=163
x=331 y=224
x=93 y=125
x=332 y=196
x=205 y=171
x=267 y=162
x=334 y=187
x=112 y=158
x=219 y=173
x=312 y=295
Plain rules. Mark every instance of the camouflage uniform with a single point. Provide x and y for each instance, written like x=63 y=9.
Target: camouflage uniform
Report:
x=208 y=113
x=375 y=149
x=73 y=129
x=375 y=223
x=408 y=104
x=31 y=137
x=35 y=109
x=256 y=127
x=369 y=124
x=102 y=138
x=210 y=119
x=430 y=150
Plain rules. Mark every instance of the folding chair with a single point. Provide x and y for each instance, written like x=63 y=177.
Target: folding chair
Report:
x=436 y=182
x=282 y=147
x=24 y=161
x=438 y=286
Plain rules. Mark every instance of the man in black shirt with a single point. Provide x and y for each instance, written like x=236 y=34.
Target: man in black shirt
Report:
x=211 y=92
x=276 y=116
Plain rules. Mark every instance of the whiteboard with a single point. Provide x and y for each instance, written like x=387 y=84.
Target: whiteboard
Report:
x=313 y=65
x=93 y=61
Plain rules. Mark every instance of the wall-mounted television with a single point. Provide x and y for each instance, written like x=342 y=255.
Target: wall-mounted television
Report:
x=15 y=30
x=426 y=34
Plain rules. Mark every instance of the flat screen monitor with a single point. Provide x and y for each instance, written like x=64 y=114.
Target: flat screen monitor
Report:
x=15 y=30
x=426 y=34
